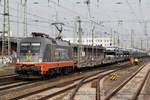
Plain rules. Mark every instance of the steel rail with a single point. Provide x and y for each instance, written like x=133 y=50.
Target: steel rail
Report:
x=97 y=87
x=14 y=86
x=98 y=97
x=141 y=86
x=11 y=82
x=99 y=78
x=59 y=84
x=77 y=86
x=7 y=75
x=124 y=83
x=52 y=87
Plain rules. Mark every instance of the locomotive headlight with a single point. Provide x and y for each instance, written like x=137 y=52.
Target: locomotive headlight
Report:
x=17 y=68
x=17 y=60
x=40 y=59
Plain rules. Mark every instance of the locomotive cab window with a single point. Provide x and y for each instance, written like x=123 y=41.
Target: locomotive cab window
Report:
x=35 y=47
x=30 y=47
x=25 y=44
x=24 y=47
x=35 y=44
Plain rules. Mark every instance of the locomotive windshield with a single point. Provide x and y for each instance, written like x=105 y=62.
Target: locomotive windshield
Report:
x=30 y=48
x=110 y=53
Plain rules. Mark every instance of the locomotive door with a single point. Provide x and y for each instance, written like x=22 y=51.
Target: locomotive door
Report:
x=52 y=53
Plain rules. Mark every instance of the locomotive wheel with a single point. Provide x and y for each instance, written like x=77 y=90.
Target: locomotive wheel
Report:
x=65 y=71
x=43 y=77
x=70 y=69
x=50 y=73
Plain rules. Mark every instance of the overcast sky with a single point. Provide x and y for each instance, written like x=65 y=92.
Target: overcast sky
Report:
x=121 y=16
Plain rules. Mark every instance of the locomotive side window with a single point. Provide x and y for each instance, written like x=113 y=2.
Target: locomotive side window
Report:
x=61 y=53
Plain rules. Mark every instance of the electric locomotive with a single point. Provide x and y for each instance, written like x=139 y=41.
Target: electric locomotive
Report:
x=43 y=56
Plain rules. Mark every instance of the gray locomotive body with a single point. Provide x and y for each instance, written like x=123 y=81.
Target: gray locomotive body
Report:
x=40 y=55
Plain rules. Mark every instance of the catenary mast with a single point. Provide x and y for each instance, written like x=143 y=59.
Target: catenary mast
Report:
x=6 y=45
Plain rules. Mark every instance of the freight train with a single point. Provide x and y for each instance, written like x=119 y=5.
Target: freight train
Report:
x=43 y=56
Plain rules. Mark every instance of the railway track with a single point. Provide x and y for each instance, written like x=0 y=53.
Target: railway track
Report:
x=68 y=85
x=6 y=78
x=141 y=86
x=84 y=82
x=41 y=85
x=134 y=95
x=15 y=83
x=79 y=85
x=97 y=86
x=63 y=84
x=7 y=75
x=9 y=82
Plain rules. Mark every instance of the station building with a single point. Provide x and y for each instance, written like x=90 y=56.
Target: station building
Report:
x=105 y=42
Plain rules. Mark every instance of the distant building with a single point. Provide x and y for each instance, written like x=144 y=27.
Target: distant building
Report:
x=106 y=42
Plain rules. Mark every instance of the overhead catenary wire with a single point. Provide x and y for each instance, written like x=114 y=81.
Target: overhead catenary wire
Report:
x=139 y=21
x=29 y=13
x=39 y=21
x=133 y=12
x=34 y=15
x=45 y=20
x=67 y=10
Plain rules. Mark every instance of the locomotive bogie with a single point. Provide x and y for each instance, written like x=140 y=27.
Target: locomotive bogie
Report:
x=41 y=68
